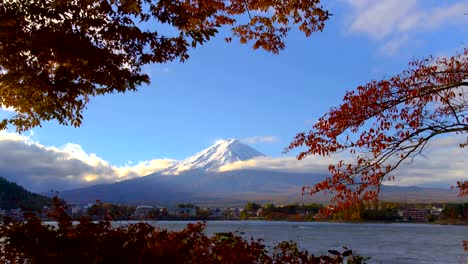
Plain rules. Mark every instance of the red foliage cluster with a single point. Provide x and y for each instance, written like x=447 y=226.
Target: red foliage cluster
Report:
x=463 y=186
x=385 y=123
x=99 y=242
x=55 y=55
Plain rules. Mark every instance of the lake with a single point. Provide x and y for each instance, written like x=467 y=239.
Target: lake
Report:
x=385 y=243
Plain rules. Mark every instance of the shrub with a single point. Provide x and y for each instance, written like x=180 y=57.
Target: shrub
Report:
x=98 y=242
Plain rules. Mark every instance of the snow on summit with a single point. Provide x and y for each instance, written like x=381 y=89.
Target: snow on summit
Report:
x=221 y=153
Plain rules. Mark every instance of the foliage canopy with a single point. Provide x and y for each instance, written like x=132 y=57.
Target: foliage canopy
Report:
x=90 y=242
x=57 y=54
x=385 y=123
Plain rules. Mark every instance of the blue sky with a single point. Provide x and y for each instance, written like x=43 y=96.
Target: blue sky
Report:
x=230 y=91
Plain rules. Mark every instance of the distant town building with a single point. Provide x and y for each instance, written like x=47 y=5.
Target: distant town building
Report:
x=416 y=215
x=142 y=211
x=185 y=211
x=259 y=212
x=216 y=212
x=15 y=214
x=72 y=209
x=436 y=211
x=233 y=212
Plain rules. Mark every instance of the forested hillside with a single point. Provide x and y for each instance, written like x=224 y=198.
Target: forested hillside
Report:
x=14 y=196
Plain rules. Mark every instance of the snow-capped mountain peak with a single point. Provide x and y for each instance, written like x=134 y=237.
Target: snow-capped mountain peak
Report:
x=221 y=153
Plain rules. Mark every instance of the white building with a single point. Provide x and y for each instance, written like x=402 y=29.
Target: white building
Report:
x=142 y=211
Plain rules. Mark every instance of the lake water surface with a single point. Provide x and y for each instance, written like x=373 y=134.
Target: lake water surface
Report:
x=384 y=243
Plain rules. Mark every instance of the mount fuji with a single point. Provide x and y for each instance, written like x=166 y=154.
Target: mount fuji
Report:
x=198 y=179
x=223 y=152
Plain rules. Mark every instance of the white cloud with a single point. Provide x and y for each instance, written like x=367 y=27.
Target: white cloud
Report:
x=5 y=135
x=380 y=18
x=7 y=109
x=156 y=70
x=260 y=139
x=315 y=164
x=143 y=168
x=390 y=21
x=269 y=12
x=439 y=16
x=74 y=151
x=41 y=168
x=444 y=166
x=394 y=45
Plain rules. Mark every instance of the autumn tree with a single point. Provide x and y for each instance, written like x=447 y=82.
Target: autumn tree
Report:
x=55 y=55
x=88 y=241
x=252 y=207
x=386 y=123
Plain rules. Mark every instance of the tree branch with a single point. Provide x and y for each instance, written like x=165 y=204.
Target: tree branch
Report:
x=247 y=8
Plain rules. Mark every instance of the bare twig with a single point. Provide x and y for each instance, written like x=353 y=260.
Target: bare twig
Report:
x=247 y=8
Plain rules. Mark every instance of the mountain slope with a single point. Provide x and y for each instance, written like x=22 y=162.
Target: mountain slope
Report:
x=135 y=191
x=221 y=153
x=241 y=186
x=13 y=196
x=197 y=179
x=194 y=185
x=416 y=194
